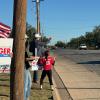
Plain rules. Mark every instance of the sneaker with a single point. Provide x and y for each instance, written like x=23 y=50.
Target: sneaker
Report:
x=52 y=88
x=41 y=87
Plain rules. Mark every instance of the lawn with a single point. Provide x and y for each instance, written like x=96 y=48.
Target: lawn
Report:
x=36 y=93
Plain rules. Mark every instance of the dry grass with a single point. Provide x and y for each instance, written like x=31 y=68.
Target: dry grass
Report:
x=36 y=93
x=4 y=87
x=44 y=94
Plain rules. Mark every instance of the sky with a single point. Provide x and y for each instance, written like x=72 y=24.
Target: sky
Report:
x=60 y=19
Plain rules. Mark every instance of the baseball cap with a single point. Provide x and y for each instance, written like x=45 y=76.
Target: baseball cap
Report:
x=26 y=36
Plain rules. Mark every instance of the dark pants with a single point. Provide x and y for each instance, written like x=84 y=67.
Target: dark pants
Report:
x=49 y=74
x=35 y=76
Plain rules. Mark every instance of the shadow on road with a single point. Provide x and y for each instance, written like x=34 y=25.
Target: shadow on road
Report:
x=90 y=62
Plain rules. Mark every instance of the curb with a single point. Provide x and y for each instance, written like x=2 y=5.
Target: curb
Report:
x=55 y=92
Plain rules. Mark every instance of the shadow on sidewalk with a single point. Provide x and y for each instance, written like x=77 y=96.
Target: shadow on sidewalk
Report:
x=4 y=95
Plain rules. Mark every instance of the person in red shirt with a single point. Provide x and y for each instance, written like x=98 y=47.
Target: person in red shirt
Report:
x=47 y=62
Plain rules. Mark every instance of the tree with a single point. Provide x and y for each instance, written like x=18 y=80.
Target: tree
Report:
x=74 y=42
x=91 y=39
x=45 y=39
x=96 y=33
x=30 y=31
x=60 y=44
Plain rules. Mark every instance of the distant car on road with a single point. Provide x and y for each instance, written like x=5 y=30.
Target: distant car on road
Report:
x=53 y=47
x=83 y=47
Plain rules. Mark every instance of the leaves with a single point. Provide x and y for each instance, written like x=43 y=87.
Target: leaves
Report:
x=91 y=39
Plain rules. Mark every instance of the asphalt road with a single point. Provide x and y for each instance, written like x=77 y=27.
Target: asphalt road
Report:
x=80 y=72
x=90 y=59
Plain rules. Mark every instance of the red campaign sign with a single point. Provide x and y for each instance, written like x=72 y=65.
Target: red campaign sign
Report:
x=34 y=62
x=34 y=65
x=5 y=50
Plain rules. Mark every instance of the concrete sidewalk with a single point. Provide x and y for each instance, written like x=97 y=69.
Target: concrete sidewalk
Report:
x=81 y=83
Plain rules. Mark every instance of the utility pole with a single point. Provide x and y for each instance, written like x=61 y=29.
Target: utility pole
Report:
x=35 y=75
x=17 y=65
x=38 y=15
x=38 y=28
x=37 y=35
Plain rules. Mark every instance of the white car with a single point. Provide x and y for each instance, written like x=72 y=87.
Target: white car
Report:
x=83 y=47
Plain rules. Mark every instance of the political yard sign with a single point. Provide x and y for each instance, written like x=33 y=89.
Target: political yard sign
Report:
x=34 y=65
x=5 y=54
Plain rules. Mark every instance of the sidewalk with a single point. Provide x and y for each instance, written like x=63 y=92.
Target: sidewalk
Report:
x=80 y=83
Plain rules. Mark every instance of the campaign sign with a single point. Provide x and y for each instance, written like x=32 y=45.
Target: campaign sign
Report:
x=5 y=52
x=34 y=64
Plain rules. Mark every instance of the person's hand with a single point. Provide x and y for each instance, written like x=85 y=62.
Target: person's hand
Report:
x=40 y=68
x=32 y=57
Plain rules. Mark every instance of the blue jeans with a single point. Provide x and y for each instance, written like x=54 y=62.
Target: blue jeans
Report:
x=27 y=84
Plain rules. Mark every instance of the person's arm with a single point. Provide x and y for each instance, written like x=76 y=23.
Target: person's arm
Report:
x=53 y=61
x=31 y=58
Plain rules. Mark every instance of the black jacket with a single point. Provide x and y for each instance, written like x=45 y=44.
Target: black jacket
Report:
x=27 y=65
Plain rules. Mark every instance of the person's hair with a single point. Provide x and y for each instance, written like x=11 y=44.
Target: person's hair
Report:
x=46 y=53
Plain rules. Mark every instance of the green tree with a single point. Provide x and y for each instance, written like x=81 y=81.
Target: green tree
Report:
x=96 y=33
x=60 y=44
x=90 y=38
x=30 y=31
x=73 y=43
x=45 y=39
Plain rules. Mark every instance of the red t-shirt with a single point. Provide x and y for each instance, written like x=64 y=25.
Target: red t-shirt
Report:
x=48 y=63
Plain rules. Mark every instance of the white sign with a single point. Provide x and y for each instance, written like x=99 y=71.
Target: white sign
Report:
x=34 y=64
x=5 y=51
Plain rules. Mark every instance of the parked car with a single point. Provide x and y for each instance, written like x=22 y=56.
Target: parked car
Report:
x=83 y=47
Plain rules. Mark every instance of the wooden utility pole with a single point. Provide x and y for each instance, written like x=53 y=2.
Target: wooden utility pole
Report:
x=17 y=66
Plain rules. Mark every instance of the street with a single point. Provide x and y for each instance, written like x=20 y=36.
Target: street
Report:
x=90 y=59
x=80 y=73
